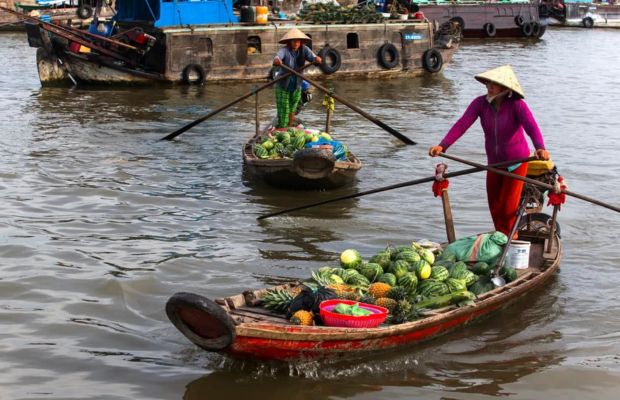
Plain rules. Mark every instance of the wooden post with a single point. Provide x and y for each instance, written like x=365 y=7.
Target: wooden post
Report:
x=447 y=216
x=552 y=229
x=256 y=113
x=328 y=120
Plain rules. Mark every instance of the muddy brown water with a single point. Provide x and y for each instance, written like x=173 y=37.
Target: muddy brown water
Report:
x=101 y=223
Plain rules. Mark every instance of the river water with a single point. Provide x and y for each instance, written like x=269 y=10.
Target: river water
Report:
x=101 y=223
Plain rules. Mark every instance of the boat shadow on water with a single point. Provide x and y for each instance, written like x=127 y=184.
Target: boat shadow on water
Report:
x=484 y=358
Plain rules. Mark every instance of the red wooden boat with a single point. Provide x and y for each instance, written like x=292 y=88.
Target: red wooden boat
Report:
x=240 y=326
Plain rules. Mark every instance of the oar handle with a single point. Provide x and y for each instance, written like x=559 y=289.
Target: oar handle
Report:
x=225 y=106
x=530 y=181
x=390 y=187
x=352 y=106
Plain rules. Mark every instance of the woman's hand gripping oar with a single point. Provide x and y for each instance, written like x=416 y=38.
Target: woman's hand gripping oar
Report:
x=353 y=107
x=395 y=186
x=225 y=106
x=492 y=168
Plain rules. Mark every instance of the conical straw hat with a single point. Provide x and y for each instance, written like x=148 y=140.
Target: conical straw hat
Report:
x=503 y=76
x=294 y=34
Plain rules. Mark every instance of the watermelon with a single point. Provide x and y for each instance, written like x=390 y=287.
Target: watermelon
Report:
x=482 y=268
x=439 y=273
x=482 y=285
x=371 y=271
x=350 y=258
x=408 y=255
x=457 y=268
x=279 y=148
x=456 y=284
x=430 y=288
x=283 y=137
x=446 y=299
x=423 y=270
x=427 y=255
x=298 y=143
x=399 y=268
x=382 y=258
x=326 y=136
x=509 y=273
x=388 y=278
x=260 y=151
x=409 y=281
x=268 y=144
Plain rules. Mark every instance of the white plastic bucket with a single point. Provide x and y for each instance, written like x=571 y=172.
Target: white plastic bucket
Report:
x=518 y=255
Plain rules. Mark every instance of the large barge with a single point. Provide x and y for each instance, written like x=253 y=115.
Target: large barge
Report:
x=205 y=41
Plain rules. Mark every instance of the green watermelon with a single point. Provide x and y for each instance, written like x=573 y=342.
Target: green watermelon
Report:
x=408 y=255
x=509 y=273
x=427 y=255
x=409 y=281
x=260 y=151
x=439 y=273
x=382 y=258
x=371 y=271
x=298 y=142
x=350 y=258
x=456 y=284
x=482 y=285
x=388 y=278
x=283 y=137
x=482 y=268
x=423 y=270
x=399 y=268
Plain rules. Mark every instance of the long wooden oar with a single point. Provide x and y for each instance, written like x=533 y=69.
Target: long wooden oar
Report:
x=395 y=186
x=353 y=107
x=225 y=106
x=530 y=181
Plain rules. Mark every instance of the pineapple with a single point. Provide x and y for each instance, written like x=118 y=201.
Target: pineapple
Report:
x=344 y=291
x=397 y=293
x=277 y=300
x=302 y=317
x=368 y=299
x=403 y=312
x=386 y=302
x=379 y=289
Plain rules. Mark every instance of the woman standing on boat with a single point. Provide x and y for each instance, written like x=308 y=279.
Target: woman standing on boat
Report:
x=504 y=117
x=288 y=91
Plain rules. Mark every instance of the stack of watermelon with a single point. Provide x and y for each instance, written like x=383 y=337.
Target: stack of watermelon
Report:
x=284 y=143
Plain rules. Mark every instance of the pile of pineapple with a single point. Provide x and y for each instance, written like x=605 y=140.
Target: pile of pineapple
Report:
x=403 y=279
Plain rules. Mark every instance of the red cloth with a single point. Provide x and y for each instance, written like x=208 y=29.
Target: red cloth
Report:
x=439 y=187
x=557 y=199
x=504 y=195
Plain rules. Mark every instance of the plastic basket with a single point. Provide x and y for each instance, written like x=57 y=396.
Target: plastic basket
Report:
x=379 y=314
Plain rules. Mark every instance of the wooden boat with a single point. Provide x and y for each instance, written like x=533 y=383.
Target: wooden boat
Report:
x=311 y=168
x=240 y=327
x=194 y=42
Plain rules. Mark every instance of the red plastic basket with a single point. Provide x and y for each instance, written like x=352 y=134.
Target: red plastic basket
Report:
x=379 y=314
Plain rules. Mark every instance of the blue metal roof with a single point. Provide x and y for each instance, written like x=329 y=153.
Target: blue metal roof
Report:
x=175 y=12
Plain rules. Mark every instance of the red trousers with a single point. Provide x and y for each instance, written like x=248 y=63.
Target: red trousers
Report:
x=504 y=195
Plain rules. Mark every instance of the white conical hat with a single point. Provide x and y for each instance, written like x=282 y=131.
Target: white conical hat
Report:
x=294 y=34
x=503 y=76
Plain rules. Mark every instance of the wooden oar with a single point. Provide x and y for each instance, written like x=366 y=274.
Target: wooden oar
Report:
x=530 y=181
x=225 y=106
x=395 y=186
x=353 y=107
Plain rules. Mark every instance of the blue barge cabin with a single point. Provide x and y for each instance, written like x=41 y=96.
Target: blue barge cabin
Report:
x=204 y=41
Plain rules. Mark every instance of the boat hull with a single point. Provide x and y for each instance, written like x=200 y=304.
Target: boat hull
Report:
x=504 y=19
x=259 y=334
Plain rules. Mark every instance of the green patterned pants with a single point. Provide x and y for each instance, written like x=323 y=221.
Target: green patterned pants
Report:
x=286 y=103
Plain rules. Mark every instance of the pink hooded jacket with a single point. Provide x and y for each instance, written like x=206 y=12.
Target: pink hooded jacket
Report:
x=503 y=130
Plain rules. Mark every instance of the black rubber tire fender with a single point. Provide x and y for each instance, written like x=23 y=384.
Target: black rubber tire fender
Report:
x=388 y=56
x=539 y=221
x=313 y=163
x=527 y=29
x=201 y=320
x=587 y=22
x=536 y=29
x=432 y=60
x=489 y=29
x=460 y=20
x=519 y=20
x=186 y=75
x=84 y=11
x=331 y=53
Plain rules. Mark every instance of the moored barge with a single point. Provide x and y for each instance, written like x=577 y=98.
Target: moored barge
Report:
x=204 y=41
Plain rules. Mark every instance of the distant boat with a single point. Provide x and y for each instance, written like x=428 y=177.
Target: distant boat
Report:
x=582 y=13
x=486 y=19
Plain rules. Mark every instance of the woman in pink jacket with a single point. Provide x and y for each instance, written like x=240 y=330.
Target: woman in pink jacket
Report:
x=504 y=117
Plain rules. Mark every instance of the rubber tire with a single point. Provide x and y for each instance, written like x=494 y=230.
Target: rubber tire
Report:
x=313 y=164
x=587 y=22
x=460 y=20
x=330 y=52
x=185 y=75
x=536 y=29
x=432 y=61
x=519 y=20
x=527 y=29
x=384 y=58
x=218 y=328
x=489 y=29
x=84 y=11
x=540 y=217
